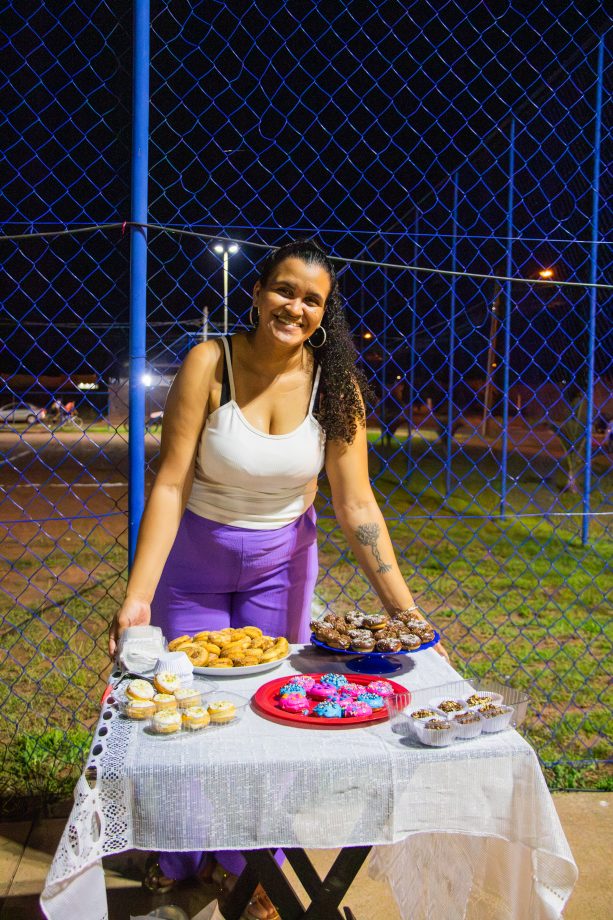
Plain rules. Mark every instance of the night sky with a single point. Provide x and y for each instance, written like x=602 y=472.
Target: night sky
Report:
x=343 y=121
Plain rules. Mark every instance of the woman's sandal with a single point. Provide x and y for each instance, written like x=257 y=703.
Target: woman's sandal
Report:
x=154 y=881
x=260 y=907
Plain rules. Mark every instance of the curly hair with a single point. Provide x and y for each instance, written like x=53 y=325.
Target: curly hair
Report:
x=344 y=387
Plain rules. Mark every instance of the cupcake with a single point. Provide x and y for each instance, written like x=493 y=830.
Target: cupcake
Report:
x=187 y=697
x=139 y=709
x=495 y=718
x=467 y=725
x=164 y=701
x=166 y=723
x=435 y=732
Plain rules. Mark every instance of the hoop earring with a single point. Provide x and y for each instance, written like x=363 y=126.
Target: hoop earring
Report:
x=323 y=341
x=251 y=322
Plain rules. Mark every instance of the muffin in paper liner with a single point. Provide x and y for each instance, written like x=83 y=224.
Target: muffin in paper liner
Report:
x=467 y=730
x=496 y=723
x=435 y=737
x=478 y=697
x=176 y=663
x=438 y=702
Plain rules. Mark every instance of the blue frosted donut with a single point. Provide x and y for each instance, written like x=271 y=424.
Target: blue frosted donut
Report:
x=328 y=710
x=333 y=680
x=374 y=701
x=291 y=687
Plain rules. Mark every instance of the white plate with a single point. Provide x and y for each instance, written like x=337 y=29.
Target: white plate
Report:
x=242 y=672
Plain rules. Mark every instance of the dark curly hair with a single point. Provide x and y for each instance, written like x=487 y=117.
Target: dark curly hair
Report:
x=343 y=383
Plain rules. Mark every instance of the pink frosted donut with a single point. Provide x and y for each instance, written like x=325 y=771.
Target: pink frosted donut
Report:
x=355 y=709
x=293 y=702
x=352 y=689
x=322 y=691
x=304 y=681
x=380 y=688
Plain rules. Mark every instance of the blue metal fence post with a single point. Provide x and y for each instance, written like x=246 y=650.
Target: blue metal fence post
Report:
x=587 y=480
x=138 y=272
x=451 y=380
x=384 y=356
x=507 y=324
x=411 y=394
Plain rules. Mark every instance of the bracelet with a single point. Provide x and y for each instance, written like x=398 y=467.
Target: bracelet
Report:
x=406 y=610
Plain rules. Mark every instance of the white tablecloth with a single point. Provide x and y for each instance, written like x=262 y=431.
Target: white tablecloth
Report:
x=461 y=832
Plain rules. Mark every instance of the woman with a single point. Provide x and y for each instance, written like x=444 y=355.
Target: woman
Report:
x=228 y=537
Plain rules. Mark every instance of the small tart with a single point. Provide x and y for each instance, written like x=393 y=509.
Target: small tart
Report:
x=166 y=682
x=222 y=711
x=195 y=717
x=140 y=690
x=165 y=723
x=139 y=709
x=186 y=698
x=164 y=701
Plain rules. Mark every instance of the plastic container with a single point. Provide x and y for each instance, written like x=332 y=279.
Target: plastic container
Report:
x=397 y=705
x=462 y=689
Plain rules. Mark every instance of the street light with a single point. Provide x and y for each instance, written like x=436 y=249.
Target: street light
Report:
x=226 y=250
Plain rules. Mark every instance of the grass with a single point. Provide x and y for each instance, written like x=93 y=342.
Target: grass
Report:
x=516 y=597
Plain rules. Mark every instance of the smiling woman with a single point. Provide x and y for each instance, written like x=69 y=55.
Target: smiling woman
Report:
x=229 y=536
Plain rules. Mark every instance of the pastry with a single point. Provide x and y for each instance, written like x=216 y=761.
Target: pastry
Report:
x=186 y=697
x=363 y=645
x=321 y=691
x=409 y=641
x=221 y=663
x=478 y=698
x=304 y=680
x=450 y=706
x=465 y=718
x=373 y=699
x=380 y=688
x=333 y=680
x=292 y=687
x=164 y=701
x=166 y=682
x=437 y=725
x=424 y=714
x=376 y=621
x=222 y=711
x=195 y=717
x=140 y=690
x=340 y=640
x=176 y=645
x=294 y=702
x=388 y=645
x=139 y=709
x=197 y=654
x=357 y=710
x=328 y=710
x=165 y=723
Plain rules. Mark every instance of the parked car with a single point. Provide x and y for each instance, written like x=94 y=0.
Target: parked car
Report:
x=15 y=413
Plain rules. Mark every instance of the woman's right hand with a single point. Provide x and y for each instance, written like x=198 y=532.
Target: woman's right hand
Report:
x=133 y=612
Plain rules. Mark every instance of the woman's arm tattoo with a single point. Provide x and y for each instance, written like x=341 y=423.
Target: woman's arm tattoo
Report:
x=368 y=535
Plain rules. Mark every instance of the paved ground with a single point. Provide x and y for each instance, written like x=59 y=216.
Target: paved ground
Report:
x=26 y=849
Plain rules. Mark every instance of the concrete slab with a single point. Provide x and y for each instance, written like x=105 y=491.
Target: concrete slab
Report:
x=587 y=819
x=13 y=837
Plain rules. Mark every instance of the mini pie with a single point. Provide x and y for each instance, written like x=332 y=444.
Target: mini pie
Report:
x=195 y=717
x=222 y=711
x=165 y=723
x=164 y=701
x=187 y=697
x=140 y=709
x=166 y=682
x=140 y=690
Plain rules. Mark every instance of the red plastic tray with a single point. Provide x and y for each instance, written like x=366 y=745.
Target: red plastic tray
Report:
x=266 y=700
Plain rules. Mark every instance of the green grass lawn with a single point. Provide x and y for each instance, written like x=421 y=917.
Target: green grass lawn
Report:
x=516 y=597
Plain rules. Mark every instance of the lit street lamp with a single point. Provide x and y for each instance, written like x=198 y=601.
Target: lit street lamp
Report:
x=225 y=249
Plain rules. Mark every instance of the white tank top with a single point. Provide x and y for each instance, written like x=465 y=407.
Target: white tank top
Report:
x=247 y=478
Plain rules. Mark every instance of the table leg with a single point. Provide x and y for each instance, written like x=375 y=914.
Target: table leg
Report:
x=331 y=891
x=241 y=894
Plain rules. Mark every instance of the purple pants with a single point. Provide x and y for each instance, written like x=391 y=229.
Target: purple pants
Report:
x=218 y=576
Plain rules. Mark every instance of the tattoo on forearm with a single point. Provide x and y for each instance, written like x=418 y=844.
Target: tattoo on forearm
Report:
x=368 y=535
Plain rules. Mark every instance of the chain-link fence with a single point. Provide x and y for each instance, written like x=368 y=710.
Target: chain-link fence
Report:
x=436 y=155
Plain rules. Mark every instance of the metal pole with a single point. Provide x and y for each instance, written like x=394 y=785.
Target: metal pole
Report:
x=384 y=394
x=507 y=324
x=587 y=479
x=451 y=381
x=226 y=259
x=411 y=395
x=138 y=273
